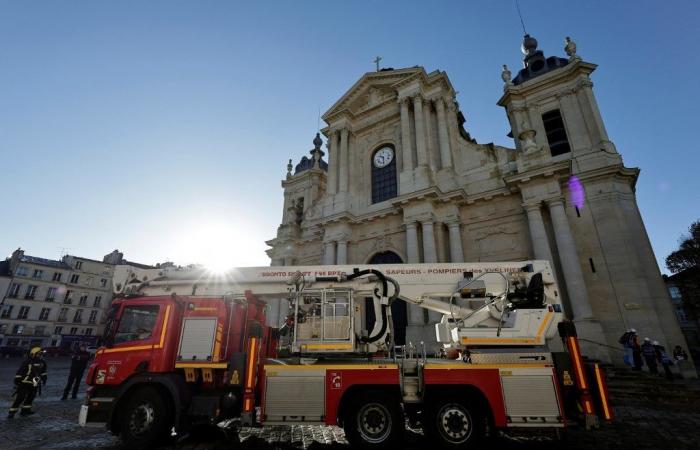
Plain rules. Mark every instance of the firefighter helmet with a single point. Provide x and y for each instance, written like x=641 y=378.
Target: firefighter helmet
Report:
x=34 y=351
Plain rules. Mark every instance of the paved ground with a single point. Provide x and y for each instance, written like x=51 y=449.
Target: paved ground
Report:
x=651 y=414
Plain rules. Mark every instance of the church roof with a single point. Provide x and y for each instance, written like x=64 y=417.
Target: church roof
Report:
x=535 y=62
x=375 y=87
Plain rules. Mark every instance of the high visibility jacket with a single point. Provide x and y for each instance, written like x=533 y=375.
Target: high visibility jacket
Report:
x=32 y=371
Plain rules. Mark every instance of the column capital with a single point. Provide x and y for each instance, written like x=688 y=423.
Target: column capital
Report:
x=427 y=221
x=532 y=206
x=556 y=201
x=454 y=224
x=410 y=224
x=404 y=101
x=416 y=97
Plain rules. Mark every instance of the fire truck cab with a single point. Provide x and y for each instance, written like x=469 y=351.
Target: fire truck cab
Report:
x=182 y=351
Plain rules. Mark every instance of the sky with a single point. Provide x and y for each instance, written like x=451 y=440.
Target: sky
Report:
x=163 y=128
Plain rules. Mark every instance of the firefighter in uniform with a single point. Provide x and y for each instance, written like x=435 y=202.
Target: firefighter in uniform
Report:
x=30 y=376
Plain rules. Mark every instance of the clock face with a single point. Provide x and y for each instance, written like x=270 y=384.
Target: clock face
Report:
x=383 y=157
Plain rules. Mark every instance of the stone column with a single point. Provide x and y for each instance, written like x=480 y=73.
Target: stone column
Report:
x=406 y=147
x=415 y=314
x=342 y=252
x=412 y=243
x=421 y=150
x=344 y=161
x=430 y=256
x=429 y=252
x=333 y=162
x=538 y=234
x=568 y=257
x=329 y=253
x=443 y=136
x=456 y=252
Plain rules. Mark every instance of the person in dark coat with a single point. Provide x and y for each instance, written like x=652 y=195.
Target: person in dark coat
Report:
x=663 y=359
x=636 y=351
x=649 y=353
x=30 y=376
x=77 y=367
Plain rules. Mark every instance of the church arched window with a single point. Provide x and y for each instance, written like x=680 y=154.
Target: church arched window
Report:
x=383 y=174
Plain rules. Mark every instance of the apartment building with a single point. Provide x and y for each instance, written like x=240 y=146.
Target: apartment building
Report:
x=53 y=302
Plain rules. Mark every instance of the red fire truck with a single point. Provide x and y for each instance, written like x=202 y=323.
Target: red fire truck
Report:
x=191 y=349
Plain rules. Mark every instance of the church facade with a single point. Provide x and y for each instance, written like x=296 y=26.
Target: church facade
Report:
x=405 y=182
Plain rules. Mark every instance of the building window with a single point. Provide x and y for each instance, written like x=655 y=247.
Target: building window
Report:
x=680 y=314
x=31 y=290
x=69 y=297
x=14 y=290
x=93 y=317
x=78 y=317
x=103 y=282
x=44 y=314
x=556 y=133
x=3 y=328
x=23 y=312
x=51 y=294
x=83 y=300
x=57 y=276
x=74 y=330
x=6 y=311
x=62 y=315
x=78 y=265
x=18 y=329
x=58 y=330
x=384 y=184
x=675 y=292
x=98 y=300
x=88 y=331
x=74 y=278
x=39 y=330
x=38 y=273
x=21 y=271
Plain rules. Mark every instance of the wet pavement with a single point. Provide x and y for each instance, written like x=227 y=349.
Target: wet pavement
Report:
x=651 y=414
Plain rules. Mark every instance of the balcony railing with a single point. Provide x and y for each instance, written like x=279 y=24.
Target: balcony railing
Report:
x=29 y=297
x=50 y=299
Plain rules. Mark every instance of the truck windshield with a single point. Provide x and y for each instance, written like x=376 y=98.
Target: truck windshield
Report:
x=137 y=323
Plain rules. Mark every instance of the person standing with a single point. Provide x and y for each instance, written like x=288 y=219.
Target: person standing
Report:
x=663 y=359
x=30 y=376
x=77 y=367
x=626 y=342
x=649 y=353
x=636 y=351
x=680 y=356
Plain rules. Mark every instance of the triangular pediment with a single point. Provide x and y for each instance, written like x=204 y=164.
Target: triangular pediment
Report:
x=373 y=88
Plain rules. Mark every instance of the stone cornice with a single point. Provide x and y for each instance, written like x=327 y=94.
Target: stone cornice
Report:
x=617 y=170
x=549 y=170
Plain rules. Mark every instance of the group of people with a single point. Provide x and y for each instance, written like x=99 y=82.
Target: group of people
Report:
x=650 y=353
x=32 y=375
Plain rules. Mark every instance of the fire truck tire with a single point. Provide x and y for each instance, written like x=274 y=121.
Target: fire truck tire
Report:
x=454 y=423
x=373 y=420
x=145 y=419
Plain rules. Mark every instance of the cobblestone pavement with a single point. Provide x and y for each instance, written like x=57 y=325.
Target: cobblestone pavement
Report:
x=651 y=414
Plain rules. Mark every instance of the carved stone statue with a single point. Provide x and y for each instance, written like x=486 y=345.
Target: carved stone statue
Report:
x=289 y=169
x=570 y=49
x=506 y=76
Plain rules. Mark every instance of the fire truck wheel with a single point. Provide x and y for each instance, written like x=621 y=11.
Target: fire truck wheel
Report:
x=373 y=420
x=453 y=424
x=145 y=419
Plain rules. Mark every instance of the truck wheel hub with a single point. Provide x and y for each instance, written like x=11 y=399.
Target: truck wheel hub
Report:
x=374 y=422
x=142 y=419
x=454 y=423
